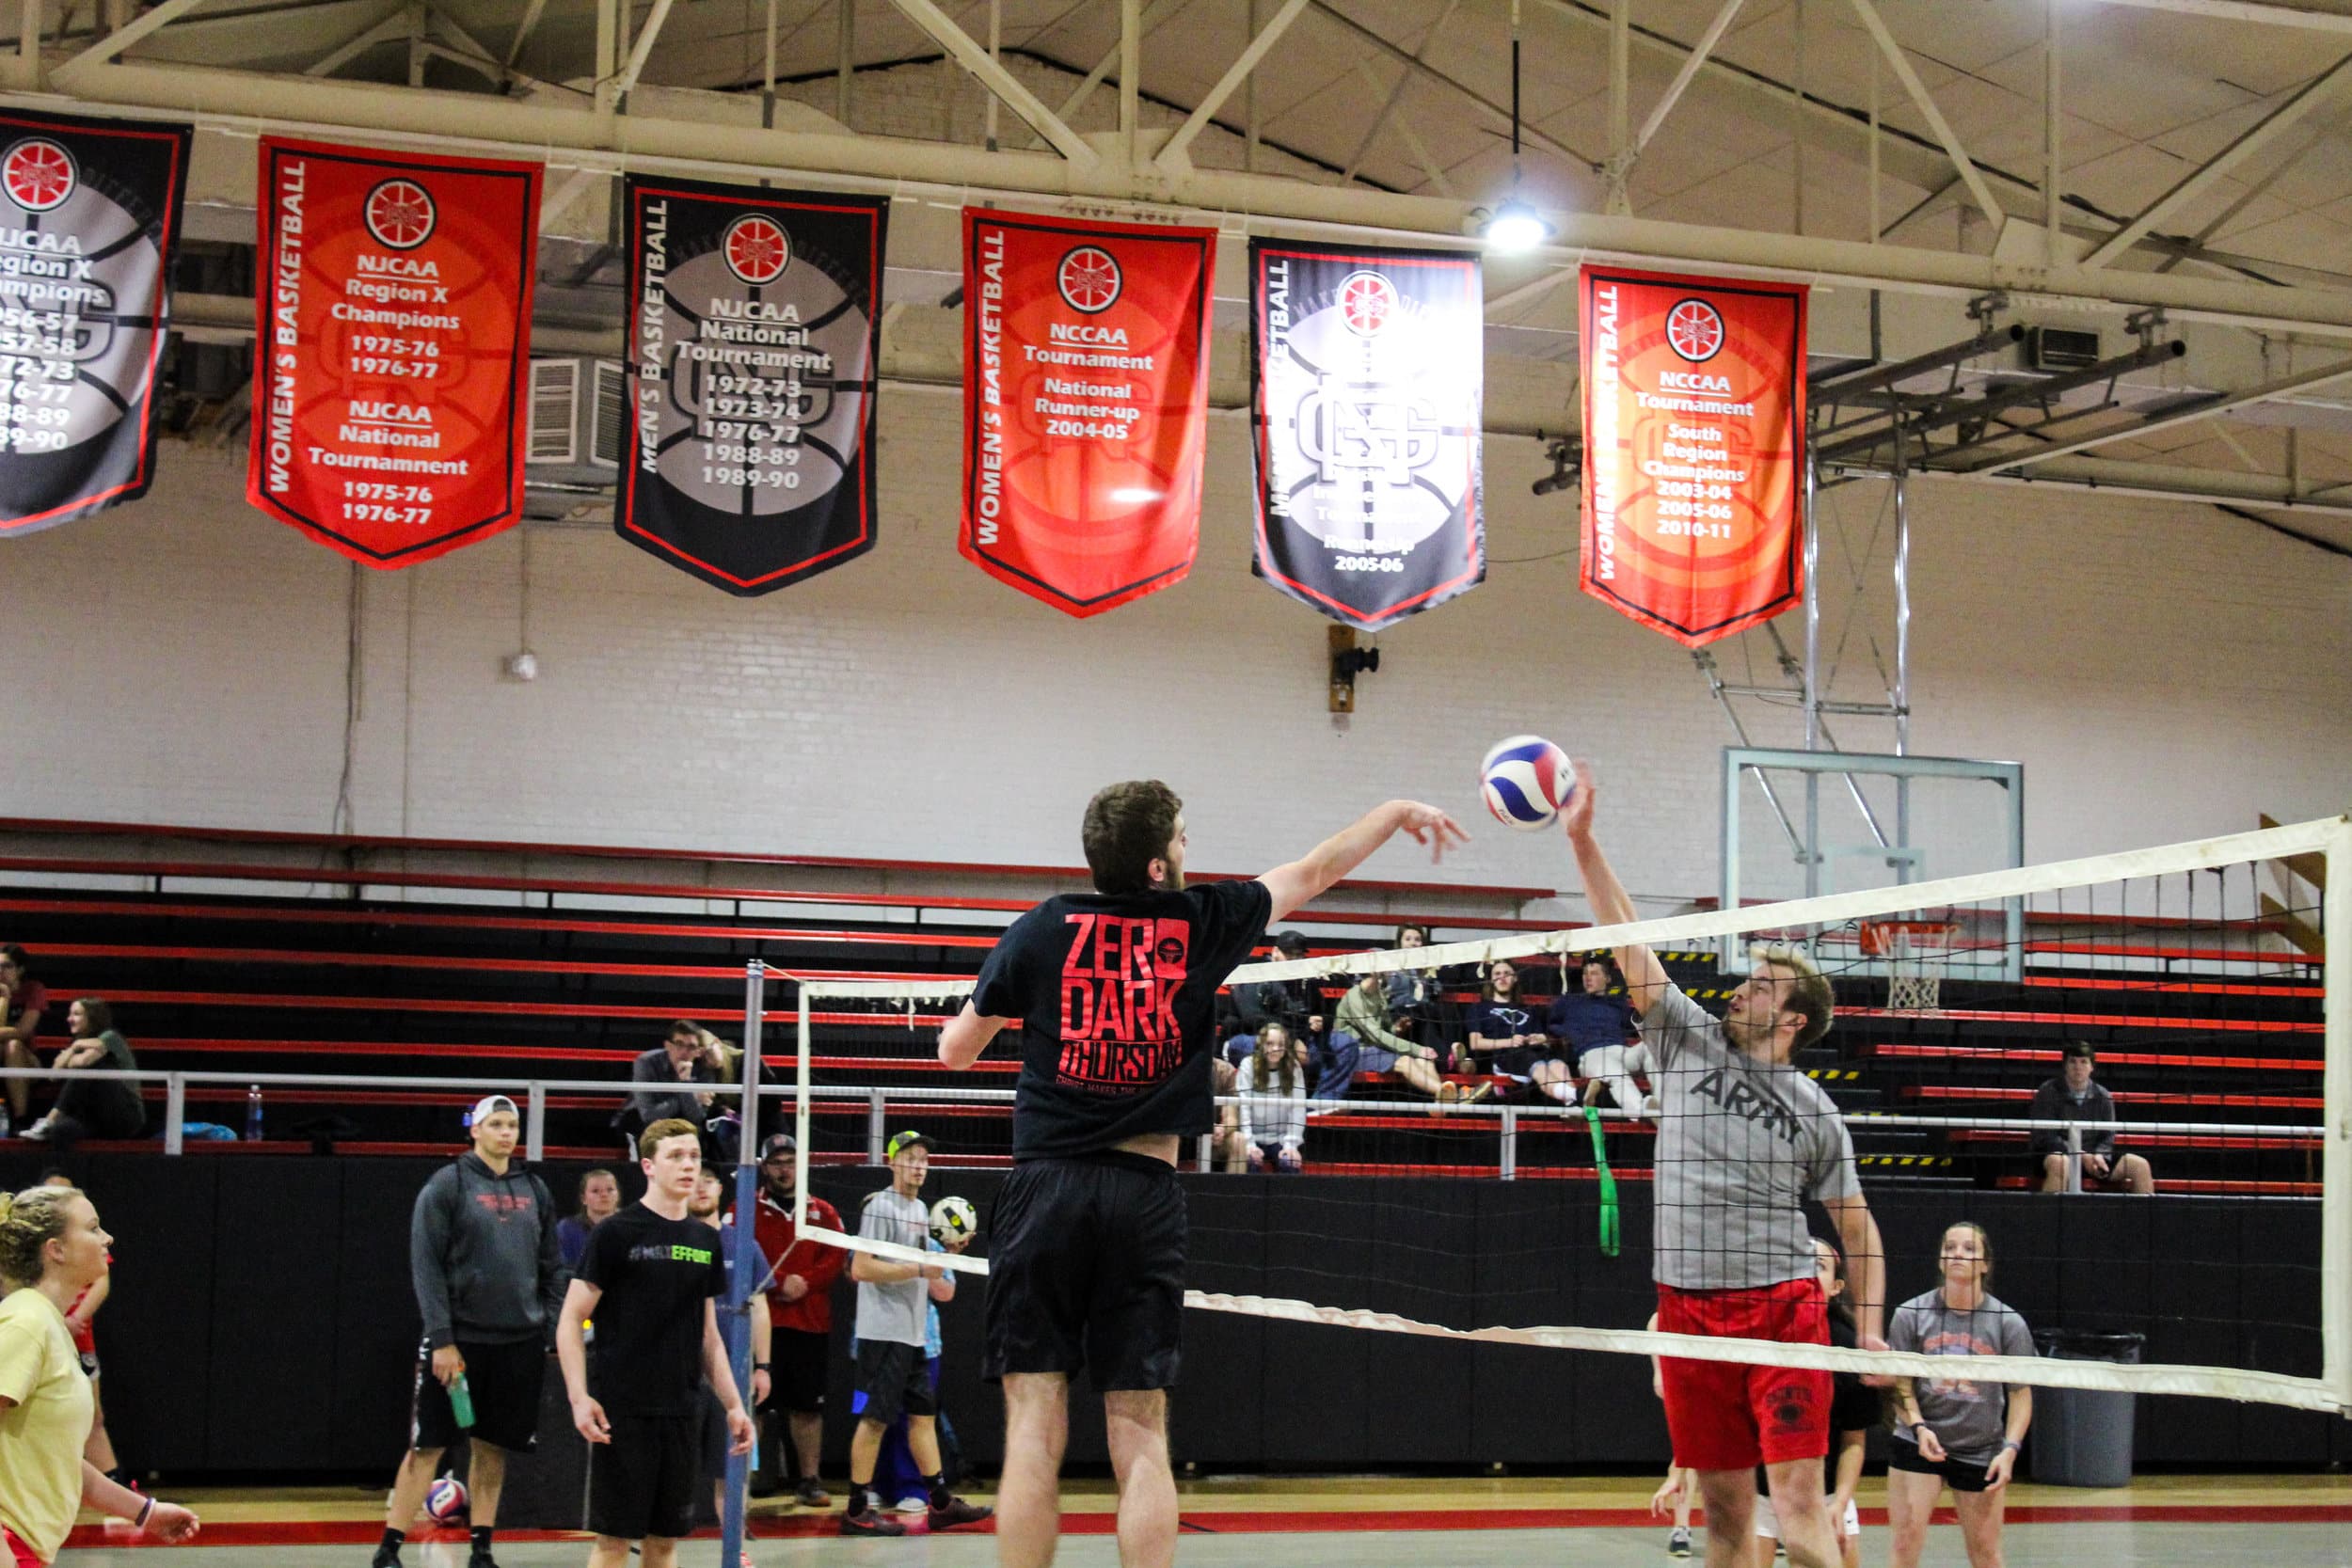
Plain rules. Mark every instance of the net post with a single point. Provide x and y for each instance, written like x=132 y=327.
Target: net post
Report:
x=2074 y=1157
x=877 y=1126
x=2335 y=1202
x=535 y=1122
x=1202 y=1156
x=175 y=1112
x=738 y=1324
x=1508 y=1163
x=800 y=1122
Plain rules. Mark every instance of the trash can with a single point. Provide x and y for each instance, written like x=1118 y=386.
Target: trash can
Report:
x=2082 y=1436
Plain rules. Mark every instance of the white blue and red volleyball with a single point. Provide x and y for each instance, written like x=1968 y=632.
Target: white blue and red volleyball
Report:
x=1526 y=780
x=445 y=1502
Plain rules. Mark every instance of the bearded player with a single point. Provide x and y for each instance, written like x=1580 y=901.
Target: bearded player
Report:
x=1115 y=995
x=1744 y=1141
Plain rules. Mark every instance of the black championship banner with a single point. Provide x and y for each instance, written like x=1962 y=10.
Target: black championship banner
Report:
x=1364 y=389
x=755 y=336
x=89 y=212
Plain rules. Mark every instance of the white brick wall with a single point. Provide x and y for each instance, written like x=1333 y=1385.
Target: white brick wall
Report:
x=2161 y=671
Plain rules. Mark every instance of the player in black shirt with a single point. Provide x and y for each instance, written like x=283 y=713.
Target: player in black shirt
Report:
x=648 y=1279
x=1115 y=995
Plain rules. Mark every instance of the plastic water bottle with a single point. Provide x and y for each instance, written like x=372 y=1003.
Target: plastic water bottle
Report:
x=253 y=1114
x=461 y=1403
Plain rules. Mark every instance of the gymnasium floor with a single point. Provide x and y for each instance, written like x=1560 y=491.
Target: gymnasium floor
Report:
x=2159 y=1522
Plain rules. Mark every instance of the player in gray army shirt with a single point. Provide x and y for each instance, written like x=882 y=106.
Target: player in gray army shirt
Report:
x=1745 y=1140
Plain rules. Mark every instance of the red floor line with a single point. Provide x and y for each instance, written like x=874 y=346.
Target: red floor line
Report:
x=1309 y=1520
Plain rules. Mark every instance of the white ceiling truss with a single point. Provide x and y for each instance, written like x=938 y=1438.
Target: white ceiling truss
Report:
x=2190 y=159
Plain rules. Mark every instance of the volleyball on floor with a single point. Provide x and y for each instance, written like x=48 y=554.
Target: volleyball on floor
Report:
x=953 y=1217
x=1526 y=781
x=445 y=1501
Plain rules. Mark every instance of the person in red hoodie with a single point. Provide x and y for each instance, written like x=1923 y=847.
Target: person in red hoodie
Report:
x=800 y=1304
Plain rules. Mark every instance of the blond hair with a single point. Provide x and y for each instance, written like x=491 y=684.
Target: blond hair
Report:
x=1808 y=991
x=28 y=1222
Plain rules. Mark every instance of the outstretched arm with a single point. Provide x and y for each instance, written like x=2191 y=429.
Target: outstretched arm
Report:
x=1645 y=976
x=966 y=1036
x=1866 y=1265
x=1305 y=880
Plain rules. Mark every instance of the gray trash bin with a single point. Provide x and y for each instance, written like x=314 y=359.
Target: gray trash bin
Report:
x=2081 y=1437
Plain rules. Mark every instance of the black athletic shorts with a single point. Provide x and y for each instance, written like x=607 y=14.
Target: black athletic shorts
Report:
x=504 y=1381
x=1903 y=1454
x=892 y=1380
x=1087 y=1270
x=643 y=1481
x=801 y=1361
x=1519 y=1061
x=715 y=1439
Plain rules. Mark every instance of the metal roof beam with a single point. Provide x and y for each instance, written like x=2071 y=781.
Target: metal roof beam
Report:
x=1868 y=12
x=993 y=75
x=1413 y=63
x=2266 y=12
x=2198 y=181
x=1172 y=155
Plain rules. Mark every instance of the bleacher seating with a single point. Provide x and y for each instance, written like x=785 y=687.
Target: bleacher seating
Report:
x=383 y=979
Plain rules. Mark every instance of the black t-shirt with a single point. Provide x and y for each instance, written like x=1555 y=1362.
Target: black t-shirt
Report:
x=1116 y=998
x=655 y=1274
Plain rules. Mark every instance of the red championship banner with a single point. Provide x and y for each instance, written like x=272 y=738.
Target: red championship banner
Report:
x=1086 y=396
x=393 y=315
x=1693 y=398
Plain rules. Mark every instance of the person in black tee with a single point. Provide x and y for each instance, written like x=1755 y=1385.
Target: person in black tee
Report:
x=1115 y=996
x=648 y=1279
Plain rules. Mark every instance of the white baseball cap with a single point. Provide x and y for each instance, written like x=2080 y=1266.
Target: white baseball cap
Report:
x=490 y=1106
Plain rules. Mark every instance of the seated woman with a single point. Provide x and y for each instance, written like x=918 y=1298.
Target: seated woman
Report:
x=1364 y=1014
x=1501 y=1036
x=1418 y=1007
x=1272 y=1085
x=87 y=1108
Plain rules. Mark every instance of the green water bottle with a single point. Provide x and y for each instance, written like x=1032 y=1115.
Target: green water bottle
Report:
x=461 y=1401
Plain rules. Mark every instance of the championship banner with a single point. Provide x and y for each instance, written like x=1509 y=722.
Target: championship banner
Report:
x=1693 y=397
x=89 y=212
x=1085 y=399
x=392 y=327
x=755 y=334
x=1365 y=380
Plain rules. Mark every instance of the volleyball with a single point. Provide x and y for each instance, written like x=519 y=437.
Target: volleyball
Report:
x=952 y=1218
x=1526 y=781
x=445 y=1502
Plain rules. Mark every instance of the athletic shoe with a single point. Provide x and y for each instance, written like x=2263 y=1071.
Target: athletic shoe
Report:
x=1678 y=1542
x=1483 y=1091
x=958 y=1512
x=481 y=1559
x=809 y=1494
x=911 y=1505
x=386 y=1557
x=870 y=1523
x=1448 y=1094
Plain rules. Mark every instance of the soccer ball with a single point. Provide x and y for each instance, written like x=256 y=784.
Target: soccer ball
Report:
x=953 y=1217
x=1526 y=781
x=445 y=1502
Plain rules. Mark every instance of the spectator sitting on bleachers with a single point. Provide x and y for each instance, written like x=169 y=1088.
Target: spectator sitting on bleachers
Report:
x=687 y=1054
x=1296 y=1005
x=21 y=1001
x=1227 y=1152
x=104 y=1107
x=1417 y=1002
x=1273 y=1089
x=1594 y=1024
x=1503 y=1036
x=599 y=1201
x=2073 y=1097
x=1363 y=1018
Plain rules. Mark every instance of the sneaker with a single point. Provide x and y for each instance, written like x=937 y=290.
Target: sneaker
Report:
x=386 y=1557
x=911 y=1505
x=809 y=1494
x=871 y=1522
x=958 y=1512
x=1483 y=1091
x=481 y=1559
x=1679 y=1542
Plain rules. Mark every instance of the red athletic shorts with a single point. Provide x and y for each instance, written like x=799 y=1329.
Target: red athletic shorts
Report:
x=1723 y=1415
x=18 y=1555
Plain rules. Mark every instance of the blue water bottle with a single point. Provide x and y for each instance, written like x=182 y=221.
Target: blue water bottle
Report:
x=253 y=1114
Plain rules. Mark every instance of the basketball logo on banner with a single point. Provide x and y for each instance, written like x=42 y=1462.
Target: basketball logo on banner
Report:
x=394 y=308
x=89 y=218
x=1086 y=404
x=752 y=348
x=1365 y=403
x=1694 y=395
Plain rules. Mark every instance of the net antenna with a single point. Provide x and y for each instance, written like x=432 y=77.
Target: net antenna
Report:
x=1917 y=954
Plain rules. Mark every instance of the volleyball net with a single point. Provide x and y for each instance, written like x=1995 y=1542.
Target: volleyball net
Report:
x=1431 y=1141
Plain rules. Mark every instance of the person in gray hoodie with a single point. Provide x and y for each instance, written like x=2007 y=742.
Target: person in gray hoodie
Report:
x=489 y=1277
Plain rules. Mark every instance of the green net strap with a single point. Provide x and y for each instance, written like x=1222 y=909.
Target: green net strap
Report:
x=1609 y=1229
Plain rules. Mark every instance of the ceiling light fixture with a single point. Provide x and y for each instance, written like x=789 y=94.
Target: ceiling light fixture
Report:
x=1514 y=225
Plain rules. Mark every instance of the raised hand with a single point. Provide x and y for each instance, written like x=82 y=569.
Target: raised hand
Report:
x=1429 y=825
